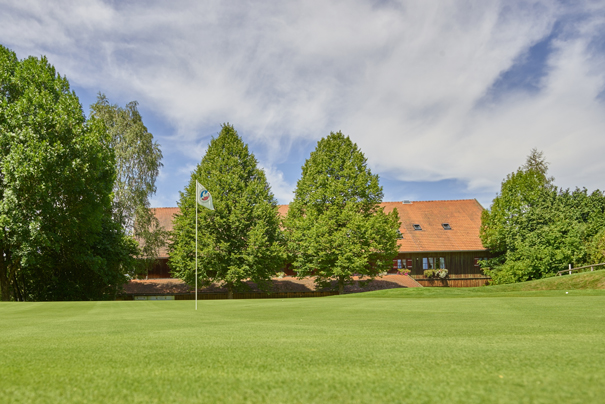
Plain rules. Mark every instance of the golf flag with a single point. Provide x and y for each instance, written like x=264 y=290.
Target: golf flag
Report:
x=203 y=197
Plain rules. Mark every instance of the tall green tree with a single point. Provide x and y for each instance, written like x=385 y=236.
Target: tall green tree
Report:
x=241 y=238
x=138 y=162
x=57 y=237
x=335 y=226
x=535 y=229
x=520 y=191
x=596 y=248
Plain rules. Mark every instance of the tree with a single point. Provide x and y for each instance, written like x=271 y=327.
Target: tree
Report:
x=335 y=226
x=519 y=192
x=596 y=248
x=535 y=229
x=57 y=237
x=241 y=238
x=138 y=162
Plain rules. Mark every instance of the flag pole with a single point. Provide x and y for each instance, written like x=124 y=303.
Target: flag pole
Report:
x=196 y=193
x=204 y=199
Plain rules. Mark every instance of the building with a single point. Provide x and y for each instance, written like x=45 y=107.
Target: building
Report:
x=160 y=268
x=434 y=235
x=441 y=234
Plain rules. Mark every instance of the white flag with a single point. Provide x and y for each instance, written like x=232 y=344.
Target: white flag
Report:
x=203 y=197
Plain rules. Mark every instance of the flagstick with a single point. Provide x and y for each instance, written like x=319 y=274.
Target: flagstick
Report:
x=196 y=191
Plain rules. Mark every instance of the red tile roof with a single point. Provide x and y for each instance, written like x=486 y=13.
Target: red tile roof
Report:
x=165 y=216
x=283 y=210
x=463 y=216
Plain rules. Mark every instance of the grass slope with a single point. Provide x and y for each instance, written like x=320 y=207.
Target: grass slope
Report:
x=334 y=349
x=582 y=284
x=577 y=281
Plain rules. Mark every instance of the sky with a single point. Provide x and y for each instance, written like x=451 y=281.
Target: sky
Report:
x=444 y=98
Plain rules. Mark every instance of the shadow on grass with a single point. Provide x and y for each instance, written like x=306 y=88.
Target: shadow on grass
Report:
x=278 y=286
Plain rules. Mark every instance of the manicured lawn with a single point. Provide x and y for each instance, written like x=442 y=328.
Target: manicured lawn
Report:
x=501 y=348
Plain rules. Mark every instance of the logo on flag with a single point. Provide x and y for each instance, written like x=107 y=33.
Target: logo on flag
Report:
x=203 y=197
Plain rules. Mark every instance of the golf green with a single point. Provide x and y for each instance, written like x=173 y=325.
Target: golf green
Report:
x=492 y=349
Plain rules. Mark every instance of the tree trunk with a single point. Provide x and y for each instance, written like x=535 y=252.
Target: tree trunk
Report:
x=18 y=295
x=341 y=286
x=229 y=291
x=4 y=285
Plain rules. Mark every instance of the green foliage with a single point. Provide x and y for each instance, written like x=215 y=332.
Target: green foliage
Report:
x=335 y=227
x=520 y=191
x=535 y=229
x=57 y=236
x=436 y=273
x=596 y=248
x=138 y=161
x=241 y=238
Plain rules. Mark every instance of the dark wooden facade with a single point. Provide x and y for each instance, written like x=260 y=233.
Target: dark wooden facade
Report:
x=159 y=270
x=455 y=283
x=463 y=267
x=460 y=263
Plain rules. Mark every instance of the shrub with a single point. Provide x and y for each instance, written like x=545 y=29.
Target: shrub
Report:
x=436 y=273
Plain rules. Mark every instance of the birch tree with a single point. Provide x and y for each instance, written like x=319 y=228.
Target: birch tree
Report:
x=137 y=165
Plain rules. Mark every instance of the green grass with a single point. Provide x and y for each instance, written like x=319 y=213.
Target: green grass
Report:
x=582 y=284
x=490 y=349
x=576 y=281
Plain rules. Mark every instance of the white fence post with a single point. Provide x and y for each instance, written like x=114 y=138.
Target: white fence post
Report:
x=570 y=270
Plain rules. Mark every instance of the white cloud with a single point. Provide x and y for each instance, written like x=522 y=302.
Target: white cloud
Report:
x=404 y=79
x=281 y=188
x=186 y=169
x=163 y=200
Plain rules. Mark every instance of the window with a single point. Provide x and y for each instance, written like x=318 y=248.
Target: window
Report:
x=417 y=227
x=446 y=226
x=399 y=265
x=399 y=235
x=441 y=262
x=428 y=263
x=476 y=261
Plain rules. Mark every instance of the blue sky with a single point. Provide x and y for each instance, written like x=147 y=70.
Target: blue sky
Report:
x=444 y=98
